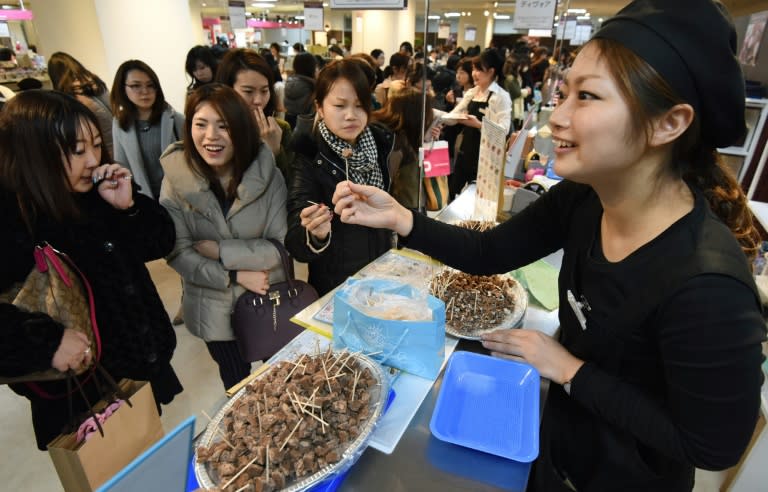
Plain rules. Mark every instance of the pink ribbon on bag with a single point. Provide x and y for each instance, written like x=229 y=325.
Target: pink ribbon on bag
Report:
x=88 y=427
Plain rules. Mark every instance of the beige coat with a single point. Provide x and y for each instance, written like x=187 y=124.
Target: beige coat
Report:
x=258 y=213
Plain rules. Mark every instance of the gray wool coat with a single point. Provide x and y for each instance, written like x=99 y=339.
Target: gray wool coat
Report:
x=259 y=212
x=128 y=153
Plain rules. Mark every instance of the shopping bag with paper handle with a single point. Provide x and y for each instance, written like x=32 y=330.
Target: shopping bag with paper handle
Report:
x=83 y=466
x=437 y=161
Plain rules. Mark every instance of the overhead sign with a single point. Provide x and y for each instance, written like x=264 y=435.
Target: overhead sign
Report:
x=237 y=14
x=534 y=14
x=370 y=4
x=443 y=31
x=313 y=16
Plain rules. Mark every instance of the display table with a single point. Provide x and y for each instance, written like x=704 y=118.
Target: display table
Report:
x=419 y=461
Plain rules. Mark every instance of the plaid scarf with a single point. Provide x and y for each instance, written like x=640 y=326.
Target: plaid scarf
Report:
x=363 y=163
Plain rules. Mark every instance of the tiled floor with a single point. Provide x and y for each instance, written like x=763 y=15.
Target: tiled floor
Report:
x=24 y=468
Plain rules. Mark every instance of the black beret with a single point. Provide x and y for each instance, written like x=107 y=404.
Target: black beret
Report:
x=692 y=45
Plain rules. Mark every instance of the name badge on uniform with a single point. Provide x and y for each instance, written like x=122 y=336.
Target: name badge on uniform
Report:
x=578 y=308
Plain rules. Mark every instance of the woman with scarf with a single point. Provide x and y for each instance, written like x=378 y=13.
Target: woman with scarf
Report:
x=341 y=146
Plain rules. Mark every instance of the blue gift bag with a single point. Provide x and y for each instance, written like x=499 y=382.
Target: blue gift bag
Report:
x=417 y=347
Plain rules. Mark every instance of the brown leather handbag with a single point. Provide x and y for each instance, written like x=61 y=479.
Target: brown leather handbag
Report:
x=56 y=286
x=262 y=322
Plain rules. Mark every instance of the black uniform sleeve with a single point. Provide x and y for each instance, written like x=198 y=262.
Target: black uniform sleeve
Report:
x=537 y=231
x=709 y=337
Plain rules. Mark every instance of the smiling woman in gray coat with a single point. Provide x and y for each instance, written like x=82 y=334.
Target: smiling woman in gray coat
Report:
x=226 y=197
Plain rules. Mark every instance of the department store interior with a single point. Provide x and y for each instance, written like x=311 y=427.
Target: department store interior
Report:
x=102 y=34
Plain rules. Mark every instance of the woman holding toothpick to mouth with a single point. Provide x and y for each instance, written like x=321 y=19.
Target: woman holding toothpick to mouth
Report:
x=342 y=144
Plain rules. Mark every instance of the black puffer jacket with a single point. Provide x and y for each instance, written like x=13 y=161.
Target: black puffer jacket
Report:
x=110 y=247
x=297 y=98
x=317 y=170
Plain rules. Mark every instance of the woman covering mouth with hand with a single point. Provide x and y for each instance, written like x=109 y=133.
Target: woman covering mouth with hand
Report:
x=58 y=186
x=226 y=197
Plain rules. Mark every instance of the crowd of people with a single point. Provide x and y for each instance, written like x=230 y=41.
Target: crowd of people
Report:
x=324 y=157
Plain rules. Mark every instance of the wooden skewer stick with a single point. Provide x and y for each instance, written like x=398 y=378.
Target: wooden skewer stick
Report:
x=351 y=354
x=322 y=422
x=265 y=402
x=241 y=489
x=319 y=419
x=295 y=404
x=374 y=353
x=357 y=376
x=218 y=431
x=239 y=473
x=295 y=366
x=291 y=434
x=267 y=469
x=326 y=378
x=474 y=310
x=338 y=358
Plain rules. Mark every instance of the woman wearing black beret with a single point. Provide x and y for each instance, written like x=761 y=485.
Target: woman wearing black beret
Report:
x=656 y=369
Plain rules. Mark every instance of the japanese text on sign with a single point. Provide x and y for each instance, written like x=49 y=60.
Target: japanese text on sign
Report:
x=534 y=14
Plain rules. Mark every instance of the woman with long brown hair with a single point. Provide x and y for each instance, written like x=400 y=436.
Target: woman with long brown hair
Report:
x=227 y=198
x=57 y=186
x=398 y=115
x=656 y=370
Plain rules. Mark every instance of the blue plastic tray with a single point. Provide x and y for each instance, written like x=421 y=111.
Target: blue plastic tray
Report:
x=489 y=404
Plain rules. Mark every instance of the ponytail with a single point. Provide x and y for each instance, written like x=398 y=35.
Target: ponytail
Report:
x=725 y=196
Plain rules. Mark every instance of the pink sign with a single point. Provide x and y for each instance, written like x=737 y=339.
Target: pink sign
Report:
x=211 y=21
x=16 y=15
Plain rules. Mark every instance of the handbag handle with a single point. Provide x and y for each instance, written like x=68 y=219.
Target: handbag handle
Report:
x=286 y=260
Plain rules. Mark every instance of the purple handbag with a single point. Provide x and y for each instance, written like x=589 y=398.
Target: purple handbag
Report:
x=262 y=323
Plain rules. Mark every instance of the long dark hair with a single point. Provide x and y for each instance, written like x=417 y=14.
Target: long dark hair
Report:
x=202 y=54
x=122 y=107
x=400 y=114
x=242 y=129
x=246 y=59
x=37 y=127
x=70 y=76
x=695 y=160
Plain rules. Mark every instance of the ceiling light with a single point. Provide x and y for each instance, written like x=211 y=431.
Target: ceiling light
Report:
x=204 y=4
x=495 y=4
x=325 y=4
x=452 y=14
x=433 y=17
x=500 y=17
x=600 y=20
x=262 y=5
x=577 y=11
x=299 y=17
x=469 y=14
x=463 y=14
x=486 y=13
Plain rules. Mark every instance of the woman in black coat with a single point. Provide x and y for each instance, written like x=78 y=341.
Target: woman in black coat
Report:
x=334 y=250
x=50 y=157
